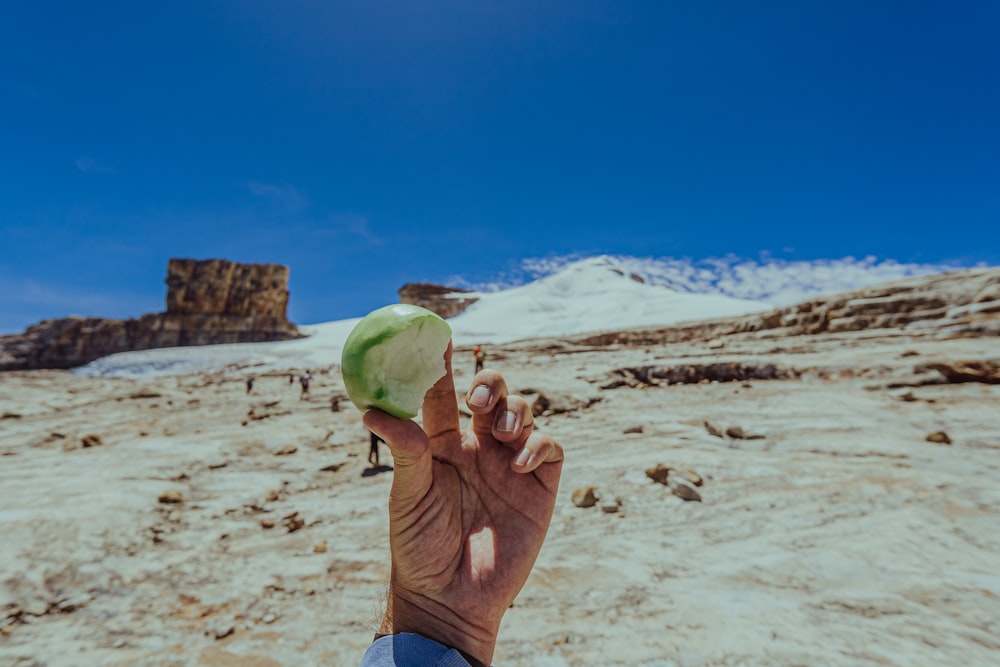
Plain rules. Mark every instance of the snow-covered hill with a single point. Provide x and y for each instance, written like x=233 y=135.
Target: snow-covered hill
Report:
x=594 y=294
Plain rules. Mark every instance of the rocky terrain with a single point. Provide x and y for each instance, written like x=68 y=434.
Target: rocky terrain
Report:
x=813 y=486
x=208 y=302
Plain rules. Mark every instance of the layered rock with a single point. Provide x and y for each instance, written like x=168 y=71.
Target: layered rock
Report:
x=208 y=302
x=445 y=301
x=219 y=287
x=960 y=303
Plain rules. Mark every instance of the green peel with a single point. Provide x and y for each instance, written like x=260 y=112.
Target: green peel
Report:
x=393 y=356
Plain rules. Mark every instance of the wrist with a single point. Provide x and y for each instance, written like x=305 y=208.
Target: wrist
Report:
x=473 y=638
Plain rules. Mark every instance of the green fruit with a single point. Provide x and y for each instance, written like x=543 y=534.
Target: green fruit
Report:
x=393 y=356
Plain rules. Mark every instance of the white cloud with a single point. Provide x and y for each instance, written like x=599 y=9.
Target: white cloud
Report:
x=89 y=165
x=356 y=225
x=285 y=196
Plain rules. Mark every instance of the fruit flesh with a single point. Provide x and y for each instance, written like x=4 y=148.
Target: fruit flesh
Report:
x=393 y=356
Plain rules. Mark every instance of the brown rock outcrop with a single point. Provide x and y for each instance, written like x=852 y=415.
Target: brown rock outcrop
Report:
x=445 y=301
x=219 y=287
x=208 y=302
x=959 y=303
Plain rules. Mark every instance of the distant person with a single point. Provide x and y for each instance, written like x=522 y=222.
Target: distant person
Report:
x=480 y=355
x=373 y=450
x=249 y=385
x=291 y=379
x=304 y=381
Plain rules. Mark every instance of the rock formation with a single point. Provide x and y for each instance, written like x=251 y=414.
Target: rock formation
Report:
x=208 y=302
x=960 y=303
x=445 y=301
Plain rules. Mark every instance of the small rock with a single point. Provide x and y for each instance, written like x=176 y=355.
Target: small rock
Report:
x=73 y=603
x=222 y=631
x=119 y=643
x=635 y=429
x=908 y=397
x=293 y=522
x=658 y=474
x=272 y=496
x=684 y=489
x=267 y=523
x=171 y=497
x=611 y=506
x=736 y=432
x=91 y=440
x=713 y=429
x=585 y=496
x=286 y=450
x=689 y=475
x=939 y=437
x=269 y=618
x=319 y=547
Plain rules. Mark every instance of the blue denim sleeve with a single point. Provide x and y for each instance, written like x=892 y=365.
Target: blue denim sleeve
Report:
x=410 y=650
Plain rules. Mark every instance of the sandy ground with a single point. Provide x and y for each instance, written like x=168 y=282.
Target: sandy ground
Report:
x=840 y=537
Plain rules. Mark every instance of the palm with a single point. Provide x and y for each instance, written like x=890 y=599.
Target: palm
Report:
x=475 y=535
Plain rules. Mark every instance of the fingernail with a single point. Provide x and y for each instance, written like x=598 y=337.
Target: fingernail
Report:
x=480 y=396
x=523 y=457
x=506 y=421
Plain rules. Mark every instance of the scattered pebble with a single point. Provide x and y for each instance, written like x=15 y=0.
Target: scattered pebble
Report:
x=938 y=437
x=293 y=522
x=91 y=440
x=611 y=506
x=171 y=497
x=736 y=432
x=713 y=429
x=319 y=547
x=659 y=473
x=585 y=496
x=684 y=489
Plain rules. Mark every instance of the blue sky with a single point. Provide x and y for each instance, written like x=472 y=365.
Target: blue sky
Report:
x=368 y=144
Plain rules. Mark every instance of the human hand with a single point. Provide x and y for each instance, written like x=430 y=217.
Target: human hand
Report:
x=468 y=512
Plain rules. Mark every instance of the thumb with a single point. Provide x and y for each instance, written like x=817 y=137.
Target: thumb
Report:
x=411 y=457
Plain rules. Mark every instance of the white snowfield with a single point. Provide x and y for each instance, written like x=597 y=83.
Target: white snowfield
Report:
x=589 y=295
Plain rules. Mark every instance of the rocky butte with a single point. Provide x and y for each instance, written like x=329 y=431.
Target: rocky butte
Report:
x=208 y=302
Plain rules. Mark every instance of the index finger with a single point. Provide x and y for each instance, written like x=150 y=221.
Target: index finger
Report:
x=440 y=409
